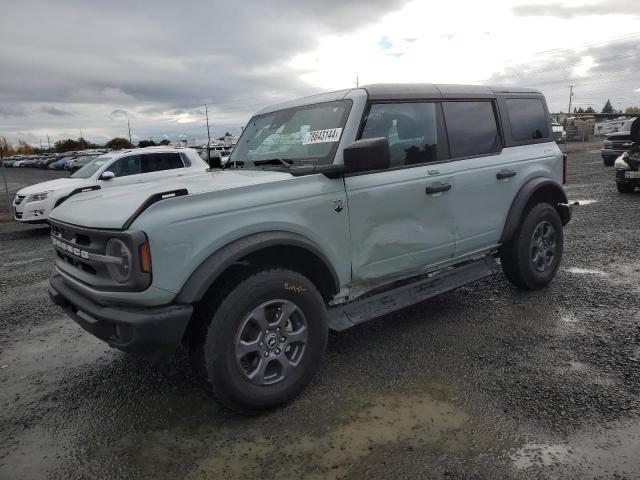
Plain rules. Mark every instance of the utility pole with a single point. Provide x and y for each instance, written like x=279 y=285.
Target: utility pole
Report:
x=40 y=144
x=357 y=80
x=206 y=112
x=570 y=98
x=129 y=127
x=48 y=141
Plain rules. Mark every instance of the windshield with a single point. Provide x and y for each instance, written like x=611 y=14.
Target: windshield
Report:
x=626 y=126
x=303 y=135
x=92 y=167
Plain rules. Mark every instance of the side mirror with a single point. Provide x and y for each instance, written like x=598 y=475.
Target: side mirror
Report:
x=108 y=175
x=215 y=159
x=366 y=155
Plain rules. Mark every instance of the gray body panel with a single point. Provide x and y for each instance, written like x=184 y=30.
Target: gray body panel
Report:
x=389 y=228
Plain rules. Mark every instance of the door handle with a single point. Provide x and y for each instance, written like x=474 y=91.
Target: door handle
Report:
x=502 y=174
x=437 y=188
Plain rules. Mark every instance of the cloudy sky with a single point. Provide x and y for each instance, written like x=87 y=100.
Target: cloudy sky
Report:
x=81 y=64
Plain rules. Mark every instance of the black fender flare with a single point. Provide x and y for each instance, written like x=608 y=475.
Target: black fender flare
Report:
x=209 y=270
x=522 y=198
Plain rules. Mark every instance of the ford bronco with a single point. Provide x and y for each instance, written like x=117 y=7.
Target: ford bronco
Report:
x=332 y=210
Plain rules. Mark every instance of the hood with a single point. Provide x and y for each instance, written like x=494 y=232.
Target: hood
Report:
x=57 y=184
x=110 y=208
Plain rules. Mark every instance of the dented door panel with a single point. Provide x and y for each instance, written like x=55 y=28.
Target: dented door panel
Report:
x=395 y=225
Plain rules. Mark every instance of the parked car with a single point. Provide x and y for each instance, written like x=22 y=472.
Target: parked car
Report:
x=34 y=203
x=628 y=164
x=46 y=162
x=343 y=207
x=58 y=164
x=559 y=135
x=617 y=143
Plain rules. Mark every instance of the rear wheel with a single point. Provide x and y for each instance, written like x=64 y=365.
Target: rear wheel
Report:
x=260 y=342
x=624 y=187
x=531 y=258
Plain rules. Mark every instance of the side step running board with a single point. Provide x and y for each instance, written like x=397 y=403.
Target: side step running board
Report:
x=361 y=310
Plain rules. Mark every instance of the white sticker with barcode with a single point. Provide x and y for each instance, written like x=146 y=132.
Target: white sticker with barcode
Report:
x=322 y=136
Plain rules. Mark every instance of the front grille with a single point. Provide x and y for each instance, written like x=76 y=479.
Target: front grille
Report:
x=19 y=199
x=625 y=145
x=75 y=247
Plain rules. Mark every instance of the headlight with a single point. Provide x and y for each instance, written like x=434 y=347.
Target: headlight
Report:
x=119 y=272
x=34 y=197
x=621 y=163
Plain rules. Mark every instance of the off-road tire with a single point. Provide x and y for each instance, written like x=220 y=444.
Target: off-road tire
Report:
x=516 y=254
x=216 y=325
x=624 y=187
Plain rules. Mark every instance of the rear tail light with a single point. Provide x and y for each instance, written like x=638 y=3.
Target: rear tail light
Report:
x=565 y=168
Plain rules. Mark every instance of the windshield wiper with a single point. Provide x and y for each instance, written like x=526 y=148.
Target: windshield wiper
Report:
x=275 y=161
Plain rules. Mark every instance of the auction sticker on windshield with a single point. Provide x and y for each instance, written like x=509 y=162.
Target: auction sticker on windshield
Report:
x=322 y=136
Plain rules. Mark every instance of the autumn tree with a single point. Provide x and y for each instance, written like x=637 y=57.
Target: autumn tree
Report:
x=24 y=148
x=632 y=110
x=7 y=149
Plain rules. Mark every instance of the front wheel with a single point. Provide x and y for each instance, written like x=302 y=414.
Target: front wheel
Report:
x=532 y=257
x=260 y=342
x=624 y=187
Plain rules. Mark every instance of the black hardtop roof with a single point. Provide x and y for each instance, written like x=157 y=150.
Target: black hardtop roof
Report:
x=380 y=91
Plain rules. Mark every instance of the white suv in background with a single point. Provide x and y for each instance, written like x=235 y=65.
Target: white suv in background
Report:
x=33 y=204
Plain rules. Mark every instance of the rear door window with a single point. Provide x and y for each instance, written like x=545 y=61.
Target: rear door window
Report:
x=472 y=128
x=412 y=131
x=157 y=162
x=527 y=119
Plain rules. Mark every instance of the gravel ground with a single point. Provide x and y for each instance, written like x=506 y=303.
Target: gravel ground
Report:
x=483 y=382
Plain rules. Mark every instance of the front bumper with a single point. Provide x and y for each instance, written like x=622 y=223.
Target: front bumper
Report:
x=30 y=212
x=621 y=178
x=608 y=153
x=149 y=332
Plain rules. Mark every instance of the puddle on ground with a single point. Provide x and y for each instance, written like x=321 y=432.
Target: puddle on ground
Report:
x=569 y=318
x=540 y=455
x=593 y=453
x=582 y=202
x=414 y=420
x=586 y=271
x=37 y=451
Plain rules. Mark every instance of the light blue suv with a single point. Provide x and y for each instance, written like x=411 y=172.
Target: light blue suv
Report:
x=332 y=210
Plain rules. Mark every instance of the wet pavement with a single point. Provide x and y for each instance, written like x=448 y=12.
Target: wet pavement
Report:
x=483 y=382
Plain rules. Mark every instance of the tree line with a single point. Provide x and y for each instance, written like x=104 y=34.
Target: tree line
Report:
x=608 y=108
x=72 y=145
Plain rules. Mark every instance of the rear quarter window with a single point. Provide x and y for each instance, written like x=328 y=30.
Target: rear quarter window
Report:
x=527 y=119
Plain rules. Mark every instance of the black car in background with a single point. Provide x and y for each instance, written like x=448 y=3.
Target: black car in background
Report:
x=617 y=143
x=628 y=165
